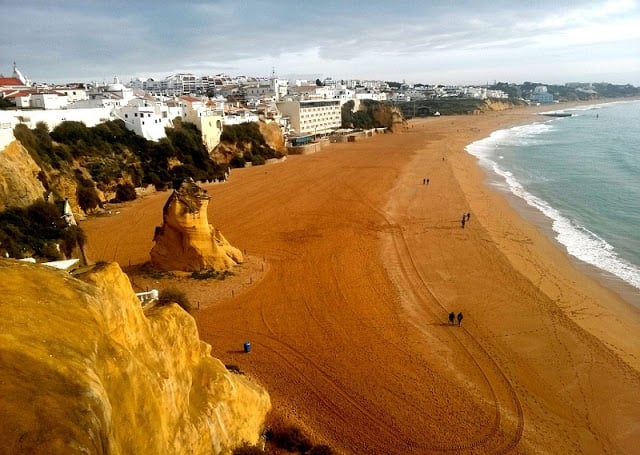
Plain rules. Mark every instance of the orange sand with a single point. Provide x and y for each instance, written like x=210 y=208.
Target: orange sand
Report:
x=348 y=321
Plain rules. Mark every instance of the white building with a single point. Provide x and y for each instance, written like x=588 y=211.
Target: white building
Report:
x=203 y=114
x=174 y=85
x=312 y=117
x=370 y=95
x=280 y=88
x=235 y=116
x=53 y=117
x=22 y=98
x=73 y=93
x=143 y=120
x=48 y=100
x=7 y=124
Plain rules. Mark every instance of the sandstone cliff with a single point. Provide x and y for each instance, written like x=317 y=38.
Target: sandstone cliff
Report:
x=186 y=241
x=269 y=142
x=493 y=105
x=84 y=370
x=19 y=184
x=273 y=136
x=387 y=115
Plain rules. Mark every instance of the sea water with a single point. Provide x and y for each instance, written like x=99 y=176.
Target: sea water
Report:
x=583 y=174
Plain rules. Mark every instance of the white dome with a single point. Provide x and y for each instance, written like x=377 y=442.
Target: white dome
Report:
x=115 y=88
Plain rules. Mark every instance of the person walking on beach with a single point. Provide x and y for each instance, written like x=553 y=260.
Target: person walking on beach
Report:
x=452 y=317
x=468 y=216
x=427 y=181
x=424 y=181
x=463 y=220
x=459 y=319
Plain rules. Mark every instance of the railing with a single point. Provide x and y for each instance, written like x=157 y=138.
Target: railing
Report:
x=148 y=297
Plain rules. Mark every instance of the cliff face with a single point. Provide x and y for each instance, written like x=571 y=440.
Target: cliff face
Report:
x=84 y=370
x=387 y=115
x=270 y=132
x=186 y=241
x=19 y=184
x=493 y=105
x=273 y=136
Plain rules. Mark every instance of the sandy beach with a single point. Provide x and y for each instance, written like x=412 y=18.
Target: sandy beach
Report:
x=354 y=265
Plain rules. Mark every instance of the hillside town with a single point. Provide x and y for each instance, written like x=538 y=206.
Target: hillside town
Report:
x=147 y=106
x=302 y=108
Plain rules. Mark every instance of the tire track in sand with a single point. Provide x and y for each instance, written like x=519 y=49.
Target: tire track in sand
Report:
x=502 y=393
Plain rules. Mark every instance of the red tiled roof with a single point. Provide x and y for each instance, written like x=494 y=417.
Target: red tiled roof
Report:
x=10 y=81
x=189 y=99
x=19 y=94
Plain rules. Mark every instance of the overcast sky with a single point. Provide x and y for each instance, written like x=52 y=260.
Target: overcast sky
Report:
x=449 y=42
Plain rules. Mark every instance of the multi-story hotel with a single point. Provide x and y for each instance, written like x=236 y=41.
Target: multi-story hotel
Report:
x=312 y=117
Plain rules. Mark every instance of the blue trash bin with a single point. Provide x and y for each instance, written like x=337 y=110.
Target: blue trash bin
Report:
x=247 y=346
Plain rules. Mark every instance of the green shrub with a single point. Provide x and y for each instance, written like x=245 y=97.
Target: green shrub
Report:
x=37 y=230
x=248 y=450
x=173 y=295
x=88 y=198
x=320 y=450
x=125 y=192
x=50 y=251
x=257 y=160
x=238 y=162
x=71 y=132
x=234 y=369
x=291 y=438
x=72 y=237
x=207 y=274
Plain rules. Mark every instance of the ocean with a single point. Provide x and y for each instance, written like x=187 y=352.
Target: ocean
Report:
x=583 y=174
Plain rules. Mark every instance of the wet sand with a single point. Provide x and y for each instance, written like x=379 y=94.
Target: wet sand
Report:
x=362 y=264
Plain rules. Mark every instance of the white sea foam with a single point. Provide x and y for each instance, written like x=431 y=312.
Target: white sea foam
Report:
x=579 y=241
x=516 y=136
x=586 y=107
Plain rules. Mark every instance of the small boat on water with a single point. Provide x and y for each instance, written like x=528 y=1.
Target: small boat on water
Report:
x=557 y=114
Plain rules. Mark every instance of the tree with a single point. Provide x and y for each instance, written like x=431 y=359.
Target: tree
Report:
x=125 y=192
x=5 y=103
x=70 y=132
x=88 y=198
x=347 y=114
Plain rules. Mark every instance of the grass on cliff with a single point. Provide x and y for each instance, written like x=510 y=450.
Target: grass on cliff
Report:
x=173 y=295
x=287 y=438
x=209 y=274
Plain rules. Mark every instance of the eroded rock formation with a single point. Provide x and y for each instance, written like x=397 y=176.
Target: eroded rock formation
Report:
x=19 y=184
x=272 y=134
x=186 y=241
x=84 y=370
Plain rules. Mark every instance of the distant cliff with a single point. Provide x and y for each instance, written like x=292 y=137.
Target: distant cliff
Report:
x=251 y=142
x=19 y=184
x=455 y=106
x=84 y=370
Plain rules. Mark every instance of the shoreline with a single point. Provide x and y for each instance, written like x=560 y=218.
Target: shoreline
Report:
x=619 y=297
x=348 y=323
x=599 y=310
x=496 y=182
